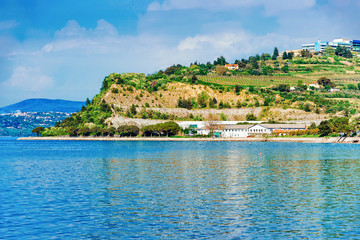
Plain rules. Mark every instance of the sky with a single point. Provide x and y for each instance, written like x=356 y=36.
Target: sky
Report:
x=63 y=49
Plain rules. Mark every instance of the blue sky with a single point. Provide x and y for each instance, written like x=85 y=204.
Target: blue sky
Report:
x=63 y=49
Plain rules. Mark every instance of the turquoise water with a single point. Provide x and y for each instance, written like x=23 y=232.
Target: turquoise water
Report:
x=178 y=190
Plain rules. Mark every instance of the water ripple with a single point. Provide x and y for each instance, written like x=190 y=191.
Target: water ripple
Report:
x=168 y=190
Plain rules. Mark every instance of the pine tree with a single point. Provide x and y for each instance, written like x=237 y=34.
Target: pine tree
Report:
x=285 y=56
x=87 y=102
x=275 y=54
x=290 y=55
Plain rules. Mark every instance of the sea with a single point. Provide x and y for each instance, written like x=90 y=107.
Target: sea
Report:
x=178 y=190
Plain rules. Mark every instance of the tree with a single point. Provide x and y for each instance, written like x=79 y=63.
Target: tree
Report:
x=133 y=110
x=38 y=130
x=250 y=117
x=221 y=70
x=265 y=56
x=343 y=52
x=157 y=129
x=146 y=130
x=84 y=131
x=329 y=51
x=285 y=69
x=221 y=104
x=268 y=70
x=111 y=131
x=290 y=55
x=212 y=103
x=194 y=78
x=170 y=128
x=212 y=123
x=128 y=130
x=351 y=87
x=312 y=125
x=87 y=102
x=324 y=128
x=340 y=124
x=222 y=117
x=202 y=99
x=72 y=131
x=326 y=82
x=282 y=88
x=305 y=53
x=275 y=54
x=285 y=56
x=237 y=89
x=307 y=107
x=185 y=103
x=238 y=104
x=220 y=61
x=133 y=130
x=254 y=64
x=171 y=70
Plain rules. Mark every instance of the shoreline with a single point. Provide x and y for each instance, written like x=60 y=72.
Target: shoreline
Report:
x=165 y=139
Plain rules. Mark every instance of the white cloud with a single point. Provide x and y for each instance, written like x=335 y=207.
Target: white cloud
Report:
x=220 y=41
x=154 y=6
x=271 y=7
x=72 y=36
x=8 y=24
x=28 y=78
x=234 y=45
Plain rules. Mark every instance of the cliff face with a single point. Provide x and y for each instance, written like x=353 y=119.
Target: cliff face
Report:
x=207 y=103
x=123 y=96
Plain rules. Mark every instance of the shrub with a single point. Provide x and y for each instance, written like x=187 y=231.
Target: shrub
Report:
x=223 y=117
x=250 y=117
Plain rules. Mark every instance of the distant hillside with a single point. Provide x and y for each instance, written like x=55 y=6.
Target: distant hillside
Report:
x=21 y=124
x=44 y=105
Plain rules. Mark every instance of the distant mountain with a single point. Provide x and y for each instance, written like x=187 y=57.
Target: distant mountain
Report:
x=44 y=105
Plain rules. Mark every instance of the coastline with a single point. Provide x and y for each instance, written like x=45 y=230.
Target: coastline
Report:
x=165 y=139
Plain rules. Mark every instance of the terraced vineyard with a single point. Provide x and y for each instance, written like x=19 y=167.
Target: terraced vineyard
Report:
x=336 y=77
x=261 y=81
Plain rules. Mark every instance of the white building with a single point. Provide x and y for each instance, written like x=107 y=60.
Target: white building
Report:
x=233 y=131
x=332 y=90
x=232 y=66
x=313 y=84
x=259 y=129
x=309 y=47
x=202 y=124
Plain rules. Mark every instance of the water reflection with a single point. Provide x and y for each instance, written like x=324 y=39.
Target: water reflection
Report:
x=179 y=190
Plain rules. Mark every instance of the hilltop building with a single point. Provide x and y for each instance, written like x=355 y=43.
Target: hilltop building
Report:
x=309 y=47
x=320 y=46
x=232 y=66
x=313 y=84
x=356 y=45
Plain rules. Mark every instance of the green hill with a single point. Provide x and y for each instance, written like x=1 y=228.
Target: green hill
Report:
x=269 y=89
